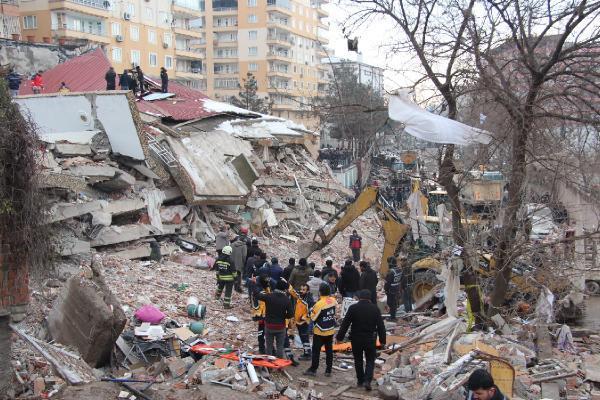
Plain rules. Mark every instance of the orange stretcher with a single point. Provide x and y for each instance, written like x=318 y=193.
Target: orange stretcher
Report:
x=346 y=347
x=257 y=361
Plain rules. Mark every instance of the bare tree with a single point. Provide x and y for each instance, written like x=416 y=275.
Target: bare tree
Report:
x=538 y=61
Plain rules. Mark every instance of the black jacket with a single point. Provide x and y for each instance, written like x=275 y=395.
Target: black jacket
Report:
x=14 y=81
x=287 y=272
x=368 y=280
x=110 y=77
x=164 y=77
x=253 y=251
x=125 y=80
x=278 y=306
x=365 y=320
x=349 y=279
x=393 y=280
x=328 y=270
x=497 y=396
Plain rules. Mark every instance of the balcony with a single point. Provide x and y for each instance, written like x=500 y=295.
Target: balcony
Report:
x=226 y=74
x=283 y=6
x=191 y=74
x=225 y=28
x=281 y=56
x=97 y=8
x=280 y=40
x=225 y=11
x=283 y=107
x=280 y=73
x=78 y=35
x=189 y=53
x=187 y=31
x=279 y=23
x=186 y=9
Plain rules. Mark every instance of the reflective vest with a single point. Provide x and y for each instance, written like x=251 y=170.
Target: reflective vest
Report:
x=224 y=271
x=396 y=278
x=323 y=316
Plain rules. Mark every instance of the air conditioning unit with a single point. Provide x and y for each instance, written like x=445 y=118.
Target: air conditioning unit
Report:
x=165 y=45
x=119 y=38
x=126 y=16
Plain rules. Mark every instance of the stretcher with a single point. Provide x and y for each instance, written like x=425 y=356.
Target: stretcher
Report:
x=257 y=360
x=345 y=347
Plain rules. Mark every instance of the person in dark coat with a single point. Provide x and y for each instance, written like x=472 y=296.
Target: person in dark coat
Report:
x=355 y=245
x=140 y=79
x=164 y=80
x=392 y=286
x=125 y=80
x=278 y=309
x=328 y=269
x=254 y=250
x=287 y=271
x=349 y=280
x=368 y=280
x=481 y=387
x=300 y=274
x=111 y=78
x=406 y=285
x=14 y=82
x=364 y=318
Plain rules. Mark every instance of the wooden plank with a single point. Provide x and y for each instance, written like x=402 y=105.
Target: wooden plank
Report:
x=339 y=390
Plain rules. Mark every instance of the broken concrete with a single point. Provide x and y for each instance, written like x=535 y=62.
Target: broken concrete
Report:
x=72 y=149
x=87 y=316
x=128 y=233
x=144 y=251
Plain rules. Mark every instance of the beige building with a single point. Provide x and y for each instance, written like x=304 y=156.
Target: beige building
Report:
x=211 y=45
x=9 y=19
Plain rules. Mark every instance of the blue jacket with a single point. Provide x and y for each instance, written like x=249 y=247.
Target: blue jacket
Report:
x=13 y=80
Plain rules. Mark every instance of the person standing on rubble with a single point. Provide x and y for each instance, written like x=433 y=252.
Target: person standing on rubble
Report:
x=368 y=280
x=392 y=286
x=300 y=274
x=364 y=318
x=111 y=79
x=328 y=269
x=349 y=279
x=406 y=284
x=258 y=311
x=304 y=302
x=225 y=276
x=140 y=79
x=221 y=239
x=238 y=258
x=125 y=80
x=481 y=387
x=254 y=250
x=355 y=245
x=273 y=270
x=323 y=317
x=287 y=271
x=278 y=308
x=164 y=80
x=314 y=283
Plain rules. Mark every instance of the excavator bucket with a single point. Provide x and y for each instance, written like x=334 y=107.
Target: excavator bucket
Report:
x=305 y=249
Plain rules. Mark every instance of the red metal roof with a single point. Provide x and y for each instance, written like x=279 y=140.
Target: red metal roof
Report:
x=84 y=73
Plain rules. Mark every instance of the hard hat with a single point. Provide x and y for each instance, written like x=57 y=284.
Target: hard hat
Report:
x=244 y=229
x=226 y=250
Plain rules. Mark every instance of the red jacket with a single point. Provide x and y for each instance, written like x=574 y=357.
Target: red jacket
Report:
x=37 y=81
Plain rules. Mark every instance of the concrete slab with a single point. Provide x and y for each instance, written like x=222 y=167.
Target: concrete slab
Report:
x=143 y=251
x=72 y=149
x=120 y=182
x=127 y=233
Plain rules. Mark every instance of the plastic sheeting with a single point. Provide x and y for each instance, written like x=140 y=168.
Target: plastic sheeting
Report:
x=153 y=199
x=544 y=309
x=450 y=275
x=432 y=127
x=417 y=220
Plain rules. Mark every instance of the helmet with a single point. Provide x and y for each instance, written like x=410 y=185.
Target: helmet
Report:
x=226 y=250
x=244 y=230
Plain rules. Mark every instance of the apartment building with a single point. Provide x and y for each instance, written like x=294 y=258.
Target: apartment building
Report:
x=211 y=44
x=148 y=33
x=9 y=19
x=366 y=74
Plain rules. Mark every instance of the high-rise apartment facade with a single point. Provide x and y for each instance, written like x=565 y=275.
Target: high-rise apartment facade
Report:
x=9 y=19
x=209 y=44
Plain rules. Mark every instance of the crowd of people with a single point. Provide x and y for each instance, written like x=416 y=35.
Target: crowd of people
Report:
x=304 y=298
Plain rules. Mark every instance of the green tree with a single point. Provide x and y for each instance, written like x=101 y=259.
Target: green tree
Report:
x=248 y=98
x=350 y=110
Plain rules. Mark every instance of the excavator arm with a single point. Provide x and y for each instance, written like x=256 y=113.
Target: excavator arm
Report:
x=393 y=229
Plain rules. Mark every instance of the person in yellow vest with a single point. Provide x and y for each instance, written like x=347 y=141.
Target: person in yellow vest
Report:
x=258 y=312
x=323 y=317
x=304 y=302
x=226 y=274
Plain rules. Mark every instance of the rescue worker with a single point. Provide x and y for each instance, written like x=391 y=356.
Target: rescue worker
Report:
x=226 y=274
x=481 y=387
x=355 y=245
x=258 y=312
x=239 y=250
x=406 y=284
x=278 y=308
x=304 y=302
x=392 y=286
x=323 y=317
x=364 y=318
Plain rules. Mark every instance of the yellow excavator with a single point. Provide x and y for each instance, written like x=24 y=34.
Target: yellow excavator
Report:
x=393 y=228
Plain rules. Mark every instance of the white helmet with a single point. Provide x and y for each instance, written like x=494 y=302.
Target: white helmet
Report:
x=226 y=250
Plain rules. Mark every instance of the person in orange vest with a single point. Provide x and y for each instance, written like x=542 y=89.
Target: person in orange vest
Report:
x=323 y=317
x=355 y=245
x=304 y=302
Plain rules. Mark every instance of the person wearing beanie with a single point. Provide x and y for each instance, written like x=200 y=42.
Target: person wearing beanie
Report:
x=323 y=317
x=278 y=308
x=300 y=274
x=364 y=318
x=392 y=286
x=481 y=387
x=349 y=279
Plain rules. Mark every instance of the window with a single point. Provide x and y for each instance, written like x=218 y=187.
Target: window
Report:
x=117 y=54
x=253 y=67
x=135 y=57
x=168 y=62
x=151 y=36
x=152 y=59
x=251 y=3
x=168 y=39
x=115 y=28
x=225 y=83
x=134 y=31
x=149 y=13
x=252 y=51
x=131 y=9
x=29 y=22
x=252 y=35
x=252 y=18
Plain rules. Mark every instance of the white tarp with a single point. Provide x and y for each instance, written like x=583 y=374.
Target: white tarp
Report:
x=432 y=127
